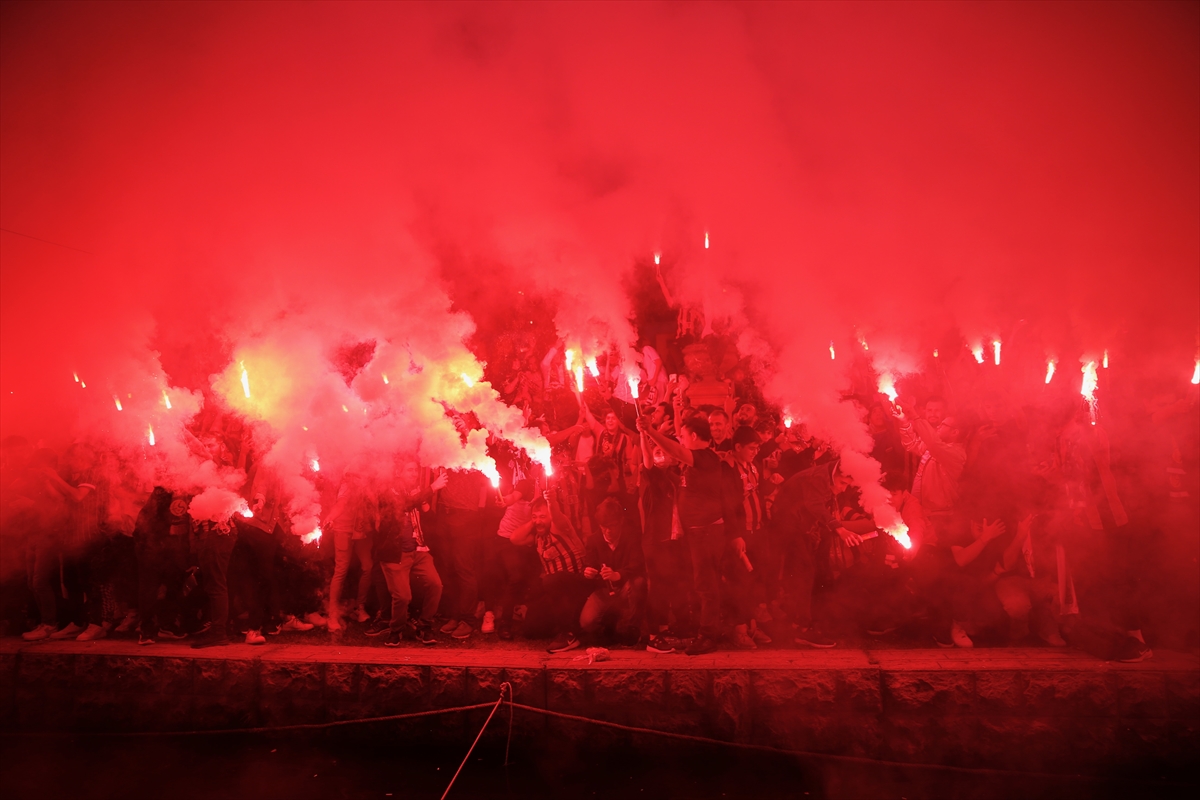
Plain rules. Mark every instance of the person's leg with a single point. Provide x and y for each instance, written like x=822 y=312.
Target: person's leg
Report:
x=468 y=566
x=43 y=578
x=630 y=613
x=1013 y=593
x=658 y=603
x=149 y=568
x=396 y=573
x=425 y=574
x=341 y=566
x=591 y=618
x=453 y=550
x=73 y=575
x=804 y=572
x=362 y=549
x=706 y=546
x=215 y=553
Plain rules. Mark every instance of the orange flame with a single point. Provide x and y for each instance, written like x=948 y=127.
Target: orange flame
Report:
x=570 y=360
x=579 y=377
x=706 y=240
x=1088 y=387
x=658 y=258
x=150 y=434
x=385 y=380
x=117 y=400
x=1104 y=363
x=832 y=354
x=935 y=352
x=1050 y=365
x=633 y=386
x=76 y=374
x=166 y=400
x=787 y=422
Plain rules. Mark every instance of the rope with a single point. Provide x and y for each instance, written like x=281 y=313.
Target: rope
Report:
x=308 y=726
x=479 y=736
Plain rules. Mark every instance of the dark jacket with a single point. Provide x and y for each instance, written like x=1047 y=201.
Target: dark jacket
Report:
x=396 y=523
x=626 y=559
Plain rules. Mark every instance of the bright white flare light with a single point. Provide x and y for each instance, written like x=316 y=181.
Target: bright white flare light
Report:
x=150 y=434
x=1050 y=365
x=832 y=354
x=245 y=380
x=787 y=422
x=592 y=368
x=1196 y=373
x=76 y=374
x=935 y=353
x=887 y=385
x=658 y=258
x=166 y=400
x=977 y=351
x=633 y=387
x=467 y=379
x=899 y=532
x=1104 y=363
x=579 y=377
x=706 y=240
x=315 y=465
x=385 y=380
x=996 y=351
x=117 y=400
x=247 y=513
x=1088 y=387
x=309 y=538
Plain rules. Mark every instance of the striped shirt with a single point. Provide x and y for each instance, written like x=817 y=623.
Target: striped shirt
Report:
x=751 y=503
x=557 y=554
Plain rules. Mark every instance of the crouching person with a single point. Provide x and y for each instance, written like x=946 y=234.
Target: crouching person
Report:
x=614 y=564
x=558 y=598
x=404 y=556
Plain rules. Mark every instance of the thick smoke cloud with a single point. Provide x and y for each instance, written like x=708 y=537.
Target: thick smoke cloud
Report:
x=278 y=187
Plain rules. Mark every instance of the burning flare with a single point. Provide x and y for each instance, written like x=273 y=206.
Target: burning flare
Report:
x=150 y=434
x=887 y=385
x=76 y=374
x=658 y=258
x=935 y=352
x=1196 y=373
x=1104 y=363
x=166 y=400
x=977 y=351
x=996 y=351
x=706 y=240
x=385 y=380
x=832 y=354
x=1050 y=365
x=633 y=386
x=309 y=538
x=467 y=380
x=315 y=465
x=247 y=513
x=787 y=422
x=899 y=532
x=592 y=368
x=579 y=377
x=245 y=380
x=1088 y=388
x=117 y=400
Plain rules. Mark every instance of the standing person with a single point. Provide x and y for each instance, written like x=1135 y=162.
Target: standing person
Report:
x=722 y=436
x=936 y=442
x=557 y=602
x=706 y=515
x=350 y=520
x=460 y=530
x=48 y=514
x=511 y=565
x=161 y=541
x=404 y=556
x=217 y=538
x=752 y=579
x=613 y=559
x=668 y=569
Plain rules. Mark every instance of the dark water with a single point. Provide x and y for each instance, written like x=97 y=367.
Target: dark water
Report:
x=382 y=765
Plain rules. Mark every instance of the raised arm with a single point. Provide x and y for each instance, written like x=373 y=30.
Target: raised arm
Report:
x=673 y=448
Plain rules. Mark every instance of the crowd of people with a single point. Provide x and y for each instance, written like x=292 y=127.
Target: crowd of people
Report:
x=694 y=517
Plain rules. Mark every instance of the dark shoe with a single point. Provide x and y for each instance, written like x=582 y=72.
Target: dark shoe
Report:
x=504 y=629
x=210 y=639
x=167 y=633
x=701 y=645
x=450 y=626
x=880 y=629
x=378 y=628
x=425 y=636
x=814 y=638
x=563 y=643
x=658 y=644
x=143 y=639
x=1134 y=651
x=393 y=638
x=943 y=639
x=463 y=631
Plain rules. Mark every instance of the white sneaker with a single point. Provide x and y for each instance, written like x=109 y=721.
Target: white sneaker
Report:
x=70 y=632
x=255 y=637
x=293 y=624
x=958 y=635
x=316 y=618
x=92 y=632
x=489 y=623
x=38 y=633
x=129 y=623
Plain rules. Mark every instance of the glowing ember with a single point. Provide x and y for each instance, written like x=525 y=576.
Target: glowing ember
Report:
x=832 y=354
x=1196 y=373
x=899 y=532
x=117 y=400
x=887 y=385
x=385 y=380
x=592 y=368
x=977 y=351
x=1088 y=388
x=579 y=377
x=1050 y=365
x=150 y=434
x=863 y=341
x=309 y=538
x=996 y=351
x=166 y=400
x=245 y=380
x=468 y=380
x=1104 y=363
